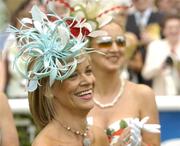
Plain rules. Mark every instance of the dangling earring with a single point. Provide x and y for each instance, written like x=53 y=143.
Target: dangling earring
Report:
x=48 y=93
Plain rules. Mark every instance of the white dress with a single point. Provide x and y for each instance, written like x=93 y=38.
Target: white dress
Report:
x=115 y=129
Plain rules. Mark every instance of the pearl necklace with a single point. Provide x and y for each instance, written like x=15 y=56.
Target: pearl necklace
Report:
x=86 y=140
x=116 y=98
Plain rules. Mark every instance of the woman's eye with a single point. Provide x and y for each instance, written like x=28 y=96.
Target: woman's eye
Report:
x=89 y=71
x=73 y=76
x=105 y=44
x=121 y=41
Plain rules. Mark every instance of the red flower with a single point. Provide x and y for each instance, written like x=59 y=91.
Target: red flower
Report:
x=119 y=132
x=116 y=133
x=76 y=30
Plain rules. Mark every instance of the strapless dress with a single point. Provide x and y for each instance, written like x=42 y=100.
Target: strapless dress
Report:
x=115 y=129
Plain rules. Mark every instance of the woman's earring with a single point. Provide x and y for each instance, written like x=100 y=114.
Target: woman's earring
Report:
x=48 y=93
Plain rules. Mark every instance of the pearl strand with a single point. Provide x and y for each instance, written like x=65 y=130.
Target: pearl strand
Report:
x=115 y=100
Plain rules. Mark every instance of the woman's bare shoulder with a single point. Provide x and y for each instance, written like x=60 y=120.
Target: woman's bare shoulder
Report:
x=140 y=90
x=48 y=137
x=144 y=96
x=41 y=140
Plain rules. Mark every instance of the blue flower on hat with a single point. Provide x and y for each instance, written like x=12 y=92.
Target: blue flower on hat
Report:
x=48 y=48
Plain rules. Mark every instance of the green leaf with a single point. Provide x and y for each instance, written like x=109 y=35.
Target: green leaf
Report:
x=123 y=124
x=109 y=131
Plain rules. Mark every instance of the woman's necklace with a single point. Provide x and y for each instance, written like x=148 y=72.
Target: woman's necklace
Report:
x=116 y=98
x=84 y=134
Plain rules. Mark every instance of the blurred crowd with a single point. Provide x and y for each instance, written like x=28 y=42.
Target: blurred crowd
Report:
x=152 y=44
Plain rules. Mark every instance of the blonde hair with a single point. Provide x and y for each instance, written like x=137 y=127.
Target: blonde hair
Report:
x=41 y=104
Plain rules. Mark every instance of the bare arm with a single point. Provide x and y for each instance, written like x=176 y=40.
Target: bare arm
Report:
x=8 y=130
x=2 y=74
x=149 y=108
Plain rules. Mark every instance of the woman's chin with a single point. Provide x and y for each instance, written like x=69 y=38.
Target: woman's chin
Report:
x=115 y=66
x=86 y=102
x=88 y=105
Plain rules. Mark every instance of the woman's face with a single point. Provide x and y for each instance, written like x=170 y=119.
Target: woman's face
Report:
x=171 y=29
x=112 y=45
x=165 y=5
x=142 y=5
x=76 y=92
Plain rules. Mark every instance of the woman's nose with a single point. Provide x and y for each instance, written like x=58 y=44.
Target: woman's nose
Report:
x=117 y=48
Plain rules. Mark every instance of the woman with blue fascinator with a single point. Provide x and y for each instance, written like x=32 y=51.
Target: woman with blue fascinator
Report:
x=54 y=58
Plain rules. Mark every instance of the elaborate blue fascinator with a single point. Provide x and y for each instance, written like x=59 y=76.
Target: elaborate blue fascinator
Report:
x=50 y=48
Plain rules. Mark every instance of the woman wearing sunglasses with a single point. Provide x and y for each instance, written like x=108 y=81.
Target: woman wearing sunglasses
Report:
x=121 y=106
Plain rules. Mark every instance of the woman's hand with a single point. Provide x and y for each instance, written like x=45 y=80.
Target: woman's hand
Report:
x=136 y=138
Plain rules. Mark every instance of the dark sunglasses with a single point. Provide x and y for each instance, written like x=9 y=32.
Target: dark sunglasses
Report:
x=107 y=41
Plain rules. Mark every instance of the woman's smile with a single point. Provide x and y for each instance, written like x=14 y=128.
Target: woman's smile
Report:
x=113 y=58
x=85 y=95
